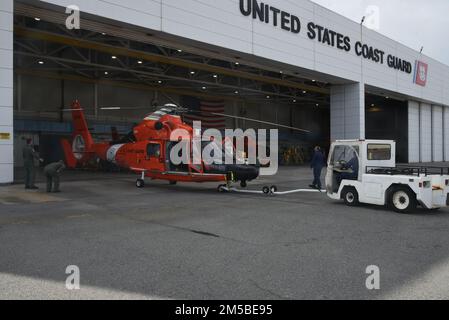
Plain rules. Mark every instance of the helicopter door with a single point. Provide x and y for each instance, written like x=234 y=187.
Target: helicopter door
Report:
x=153 y=158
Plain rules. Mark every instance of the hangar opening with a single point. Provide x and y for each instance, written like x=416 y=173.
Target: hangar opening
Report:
x=386 y=118
x=120 y=73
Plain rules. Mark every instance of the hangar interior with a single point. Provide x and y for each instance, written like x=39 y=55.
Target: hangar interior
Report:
x=121 y=73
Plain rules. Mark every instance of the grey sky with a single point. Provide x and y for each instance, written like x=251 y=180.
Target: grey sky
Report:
x=414 y=23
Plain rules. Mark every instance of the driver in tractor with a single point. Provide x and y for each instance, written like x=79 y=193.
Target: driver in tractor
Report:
x=351 y=169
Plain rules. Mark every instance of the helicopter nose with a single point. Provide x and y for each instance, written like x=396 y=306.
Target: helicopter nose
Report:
x=245 y=173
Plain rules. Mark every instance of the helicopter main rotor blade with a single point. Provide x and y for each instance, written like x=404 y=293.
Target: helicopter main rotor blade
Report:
x=184 y=110
x=252 y=120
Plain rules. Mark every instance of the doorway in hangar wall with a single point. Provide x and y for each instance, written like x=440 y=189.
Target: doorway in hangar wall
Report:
x=387 y=119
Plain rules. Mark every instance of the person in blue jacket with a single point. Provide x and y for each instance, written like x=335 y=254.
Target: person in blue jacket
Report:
x=317 y=164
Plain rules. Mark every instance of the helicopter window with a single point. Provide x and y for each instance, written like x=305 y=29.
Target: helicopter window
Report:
x=153 y=150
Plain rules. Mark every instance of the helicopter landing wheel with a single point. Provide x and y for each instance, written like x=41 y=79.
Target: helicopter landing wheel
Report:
x=273 y=189
x=221 y=188
x=266 y=190
x=243 y=184
x=140 y=183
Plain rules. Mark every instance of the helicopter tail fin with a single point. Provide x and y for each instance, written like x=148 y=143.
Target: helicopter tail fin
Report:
x=80 y=128
x=81 y=149
x=70 y=159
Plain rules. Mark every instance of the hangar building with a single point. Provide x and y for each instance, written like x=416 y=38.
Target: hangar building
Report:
x=290 y=62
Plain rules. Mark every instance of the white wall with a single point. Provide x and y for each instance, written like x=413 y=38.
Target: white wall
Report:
x=425 y=132
x=220 y=23
x=437 y=134
x=446 y=132
x=347 y=112
x=413 y=131
x=6 y=91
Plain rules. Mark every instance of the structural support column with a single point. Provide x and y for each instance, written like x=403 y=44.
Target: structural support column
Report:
x=6 y=92
x=425 y=125
x=348 y=111
x=437 y=134
x=413 y=132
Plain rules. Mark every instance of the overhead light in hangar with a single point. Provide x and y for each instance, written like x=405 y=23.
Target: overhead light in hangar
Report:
x=215 y=76
x=41 y=62
x=304 y=91
x=37 y=19
x=294 y=100
x=192 y=72
x=204 y=88
x=114 y=57
x=140 y=62
x=106 y=73
x=313 y=80
x=103 y=33
x=237 y=63
x=268 y=97
x=236 y=92
x=160 y=82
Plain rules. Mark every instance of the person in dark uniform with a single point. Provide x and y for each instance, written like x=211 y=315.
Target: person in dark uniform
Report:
x=29 y=157
x=317 y=164
x=52 y=172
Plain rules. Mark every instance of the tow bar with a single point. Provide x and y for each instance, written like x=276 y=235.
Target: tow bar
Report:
x=268 y=191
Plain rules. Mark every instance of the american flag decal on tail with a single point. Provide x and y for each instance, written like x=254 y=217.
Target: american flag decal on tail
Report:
x=203 y=110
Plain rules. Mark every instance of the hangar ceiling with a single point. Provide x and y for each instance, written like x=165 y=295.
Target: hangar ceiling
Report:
x=105 y=53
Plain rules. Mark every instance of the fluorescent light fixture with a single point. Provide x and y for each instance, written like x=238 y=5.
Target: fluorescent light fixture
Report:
x=111 y=108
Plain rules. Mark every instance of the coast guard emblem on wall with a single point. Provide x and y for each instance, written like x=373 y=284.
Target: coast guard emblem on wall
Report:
x=421 y=70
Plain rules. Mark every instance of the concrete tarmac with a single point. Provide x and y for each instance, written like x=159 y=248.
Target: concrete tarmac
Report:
x=191 y=242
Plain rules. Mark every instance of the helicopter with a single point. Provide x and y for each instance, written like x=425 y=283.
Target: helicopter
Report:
x=146 y=150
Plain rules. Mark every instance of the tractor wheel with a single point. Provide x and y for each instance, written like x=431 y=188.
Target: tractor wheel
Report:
x=350 y=196
x=402 y=200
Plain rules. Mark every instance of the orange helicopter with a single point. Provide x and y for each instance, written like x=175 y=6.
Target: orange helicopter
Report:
x=146 y=150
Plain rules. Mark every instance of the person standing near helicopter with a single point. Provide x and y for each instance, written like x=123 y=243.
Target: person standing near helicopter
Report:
x=317 y=164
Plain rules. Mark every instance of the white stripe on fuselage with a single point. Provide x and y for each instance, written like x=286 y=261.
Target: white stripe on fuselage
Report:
x=112 y=152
